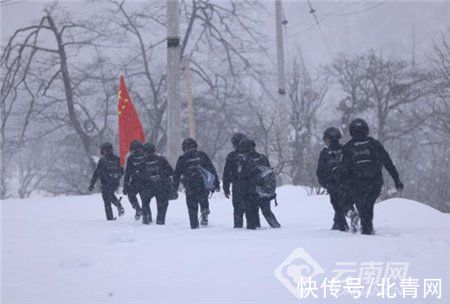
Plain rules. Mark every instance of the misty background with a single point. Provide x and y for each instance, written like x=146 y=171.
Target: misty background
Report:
x=385 y=61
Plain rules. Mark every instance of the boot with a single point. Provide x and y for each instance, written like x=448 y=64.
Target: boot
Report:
x=204 y=217
x=272 y=220
x=368 y=231
x=343 y=227
x=138 y=214
x=273 y=223
x=109 y=213
x=161 y=216
x=258 y=221
x=238 y=220
x=146 y=218
x=354 y=220
x=193 y=219
x=120 y=210
x=335 y=226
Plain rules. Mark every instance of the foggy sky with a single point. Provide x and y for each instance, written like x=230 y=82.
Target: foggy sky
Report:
x=348 y=27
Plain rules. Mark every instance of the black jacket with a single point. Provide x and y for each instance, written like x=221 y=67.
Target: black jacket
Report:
x=108 y=170
x=230 y=172
x=363 y=160
x=135 y=170
x=186 y=170
x=329 y=167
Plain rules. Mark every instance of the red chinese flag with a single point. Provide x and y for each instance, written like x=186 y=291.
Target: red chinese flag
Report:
x=130 y=127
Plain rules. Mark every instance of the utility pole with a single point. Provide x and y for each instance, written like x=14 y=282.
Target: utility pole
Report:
x=173 y=80
x=413 y=55
x=188 y=83
x=283 y=118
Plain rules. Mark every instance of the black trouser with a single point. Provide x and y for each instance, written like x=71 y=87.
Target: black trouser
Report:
x=239 y=209
x=252 y=205
x=161 y=204
x=365 y=194
x=109 y=198
x=133 y=191
x=194 y=198
x=264 y=204
x=339 y=202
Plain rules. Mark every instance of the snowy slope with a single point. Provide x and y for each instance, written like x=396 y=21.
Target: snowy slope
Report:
x=61 y=250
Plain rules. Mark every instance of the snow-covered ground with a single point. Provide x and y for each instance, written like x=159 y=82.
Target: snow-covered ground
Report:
x=61 y=250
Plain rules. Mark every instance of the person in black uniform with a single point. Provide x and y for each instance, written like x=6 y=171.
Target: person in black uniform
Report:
x=187 y=171
x=363 y=158
x=109 y=171
x=248 y=178
x=230 y=176
x=134 y=176
x=157 y=173
x=330 y=178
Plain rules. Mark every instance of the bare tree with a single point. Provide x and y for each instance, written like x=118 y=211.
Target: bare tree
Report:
x=305 y=96
x=440 y=82
x=349 y=73
x=392 y=86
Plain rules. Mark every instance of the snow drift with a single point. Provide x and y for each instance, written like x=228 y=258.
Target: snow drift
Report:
x=62 y=250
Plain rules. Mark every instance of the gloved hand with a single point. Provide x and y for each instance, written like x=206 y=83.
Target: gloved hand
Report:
x=226 y=192
x=125 y=191
x=91 y=188
x=399 y=186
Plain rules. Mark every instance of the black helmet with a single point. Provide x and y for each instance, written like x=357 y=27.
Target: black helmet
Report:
x=135 y=145
x=236 y=138
x=359 y=128
x=149 y=148
x=189 y=144
x=332 y=134
x=106 y=148
x=246 y=145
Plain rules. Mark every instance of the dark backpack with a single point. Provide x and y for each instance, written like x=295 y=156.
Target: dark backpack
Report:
x=334 y=159
x=195 y=173
x=139 y=166
x=192 y=172
x=364 y=159
x=113 y=171
x=153 y=169
x=263 y=177
x=266 y=184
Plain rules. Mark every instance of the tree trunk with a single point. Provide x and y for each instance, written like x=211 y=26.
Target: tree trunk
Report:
x=85 y=139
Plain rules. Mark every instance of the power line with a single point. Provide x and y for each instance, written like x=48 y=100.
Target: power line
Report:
x=360 y=11
x=330 y=11
x=4 y=3
x=323 y=17
x=313 y=12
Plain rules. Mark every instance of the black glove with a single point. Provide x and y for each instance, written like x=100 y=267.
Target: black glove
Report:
x=125 y=191
x=227 y=192
x=399 y=186
x=91 y=188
